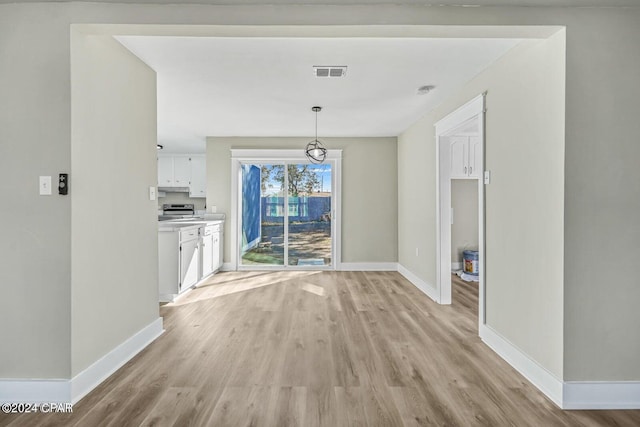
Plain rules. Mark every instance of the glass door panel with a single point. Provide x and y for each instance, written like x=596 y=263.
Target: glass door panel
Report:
x=309 y=215
x=263 y=215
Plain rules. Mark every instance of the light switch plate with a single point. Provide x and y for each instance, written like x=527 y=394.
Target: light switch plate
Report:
x=152 y=193
x=45 y=185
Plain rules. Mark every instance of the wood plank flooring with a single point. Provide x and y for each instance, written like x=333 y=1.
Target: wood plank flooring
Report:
x=319 y=349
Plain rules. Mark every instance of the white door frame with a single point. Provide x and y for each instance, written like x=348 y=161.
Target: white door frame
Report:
x=444 y=128
x=258 y=156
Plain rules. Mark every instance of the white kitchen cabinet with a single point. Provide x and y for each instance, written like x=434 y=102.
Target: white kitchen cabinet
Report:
x=217 y=249
x=184 y=171
x=465 y=157
x=189 y=261
x=178 y=259
x=188 y=252
x=207 y=250
x=198 y=181
x=181 y=171
x=165 y=171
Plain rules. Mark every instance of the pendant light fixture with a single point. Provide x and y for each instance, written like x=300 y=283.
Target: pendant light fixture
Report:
x=316 y=152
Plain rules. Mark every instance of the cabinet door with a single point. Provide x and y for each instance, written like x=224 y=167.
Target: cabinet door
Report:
x=198 y=183
x=165 y=171
x=217 y=251
x=459 y=156
x=474 y=157
x=208 y=249
x=181 y=171
x=189 y=264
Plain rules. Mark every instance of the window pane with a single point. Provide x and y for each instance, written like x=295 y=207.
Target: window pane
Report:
x=262 y=214
x=309 y=214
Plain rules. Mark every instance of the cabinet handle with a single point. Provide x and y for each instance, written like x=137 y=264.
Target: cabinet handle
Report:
x=470 y=170
x=465 y=170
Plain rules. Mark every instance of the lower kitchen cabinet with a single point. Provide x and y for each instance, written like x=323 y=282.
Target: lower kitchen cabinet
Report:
x=207 y=249
x=188 y=252
x=178 y=260
x=211 y=249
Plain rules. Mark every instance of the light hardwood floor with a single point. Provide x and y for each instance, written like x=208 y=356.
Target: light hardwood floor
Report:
x=319 y=349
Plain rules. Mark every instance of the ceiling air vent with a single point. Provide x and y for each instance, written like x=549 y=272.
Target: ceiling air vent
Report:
x=330 y=70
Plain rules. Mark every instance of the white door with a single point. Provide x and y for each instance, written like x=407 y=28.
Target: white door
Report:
x=474 y=156
x=189 y=263
x=208 y=249
x=216 y=252
x=181 y=171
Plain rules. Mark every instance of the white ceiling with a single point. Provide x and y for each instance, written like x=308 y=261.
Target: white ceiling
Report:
x=219 y=86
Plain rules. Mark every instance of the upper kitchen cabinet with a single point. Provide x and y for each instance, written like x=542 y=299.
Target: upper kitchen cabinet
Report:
x=165 y=171
x=198 y=182
x=465 y=157
x=183 y=171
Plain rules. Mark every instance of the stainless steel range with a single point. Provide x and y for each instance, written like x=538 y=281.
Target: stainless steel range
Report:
x=176 y=211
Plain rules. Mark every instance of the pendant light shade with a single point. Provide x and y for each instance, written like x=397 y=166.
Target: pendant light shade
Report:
x=316 y=151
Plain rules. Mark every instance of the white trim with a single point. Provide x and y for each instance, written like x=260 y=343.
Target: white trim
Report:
x=443 y=128
x=426 y=288
x=227 y=266
x=601 y=395
x=336 y=206
x=542 y=379
x=369 y=266
x=482 y=266
x=455 y=266
x=71 y=391
x=460 y=115
x=100 y=370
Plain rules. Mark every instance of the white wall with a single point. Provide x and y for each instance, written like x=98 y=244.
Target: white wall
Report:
x=602 y=205
x=369 y=190
x=35 y=242
x=524 y=209
x=464 y=230
x=114 y=236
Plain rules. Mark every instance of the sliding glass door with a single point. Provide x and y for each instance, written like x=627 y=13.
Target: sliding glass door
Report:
x=286 y=215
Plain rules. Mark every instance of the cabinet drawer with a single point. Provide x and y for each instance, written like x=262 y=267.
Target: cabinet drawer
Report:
x=188 y=234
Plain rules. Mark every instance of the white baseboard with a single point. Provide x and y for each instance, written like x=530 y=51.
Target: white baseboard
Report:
x=455 y=266
x=100 y=370
x=368 y=266
x=601 y=395
x=71 y=391
x=425 y=287
x=227 y=266
x=546 y=382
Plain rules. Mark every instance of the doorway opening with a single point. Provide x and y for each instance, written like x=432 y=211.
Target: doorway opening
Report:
x=460 y=200
x=287 y=214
